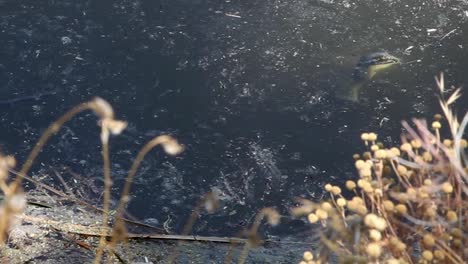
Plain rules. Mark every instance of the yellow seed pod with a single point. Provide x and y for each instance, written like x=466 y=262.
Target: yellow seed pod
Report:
x=378 y=192
x=394 y=241
x=427 y=255
x=439 y=254
x=308 y=256
x=457 y=232
x=372 y=136
x=358 y=200
x=447 y=143
x=365 y=184
x=367 y=188
x=402 y=170
x=416 y=143
x=341 y=202
x=388 y=205
x=457 y=242
x=400 y=246
x=463 y=143
x=336 y=190
x=401 y=209
x=452 y=216
x=374 y=250
x=369 y=220
x=359 y=164
x=428 y=240
x=406 y=147
x=365 y=136
x=326 y=206
x=447 y=187
x=321 y=214
x=436 y=125
x=312 y=218
x=395 y=151
x=328 y=187
x=350 y=185
x=380 y=224
x=375 y=235
x=381 y=154
x=361 y=209
x=374 y=148
x=427 y=157
x=428 y=182
x=352 y=205
x=303 y=262
x=365 y=173
x=360 y=182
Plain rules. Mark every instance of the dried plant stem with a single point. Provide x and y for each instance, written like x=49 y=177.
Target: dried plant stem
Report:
x=15 y=186
x=124 y=198
x=106 y=203
x=252 y=232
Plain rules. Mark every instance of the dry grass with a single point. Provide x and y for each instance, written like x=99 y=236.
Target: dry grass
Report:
x=409 y=204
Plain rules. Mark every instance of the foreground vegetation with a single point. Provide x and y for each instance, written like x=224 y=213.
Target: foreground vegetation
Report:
x=408 y=205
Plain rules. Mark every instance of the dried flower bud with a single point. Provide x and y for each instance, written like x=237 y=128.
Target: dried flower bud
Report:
x=328 y=187
x=439 y=254
x=308 y=256
x=447 y=187
x=171 y=146
x=401 y=209
x=428 y=182
x=336 y=190
x=452 y=216
x=406 y=147
x=321 y=214
x=436 y=125
x=313 y=218
x=359 y=164
x=365 y=136
x=375 y=235
x=372 y=136
x=102 y=108
x=427 y=255
x=416 y=143
x=272 y=216
x=350 y=185
x=395 y=151
x=388 y=205
x=341 y=202
x=381 y=154
x=326 y=206
x=374 y=250
x=428 y=240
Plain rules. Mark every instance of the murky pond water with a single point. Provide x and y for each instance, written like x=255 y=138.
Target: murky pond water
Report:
x=247 y=86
